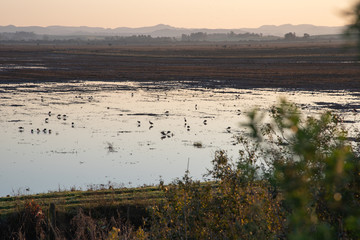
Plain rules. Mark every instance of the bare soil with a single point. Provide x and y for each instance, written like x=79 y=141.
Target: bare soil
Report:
x=312 y=66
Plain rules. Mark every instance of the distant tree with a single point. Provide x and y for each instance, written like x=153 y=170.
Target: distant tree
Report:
x=199 y=36
x=231 y=35
x=290 y=36
x=185 y=37
x=306 y=35
x=354 y=27
x=46 y=38
x=18 y=36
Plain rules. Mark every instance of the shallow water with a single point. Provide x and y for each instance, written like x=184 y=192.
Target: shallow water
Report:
x=100 y=140
x=5 y=67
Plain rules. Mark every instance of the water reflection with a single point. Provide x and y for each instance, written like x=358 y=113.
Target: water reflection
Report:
x=59 y=135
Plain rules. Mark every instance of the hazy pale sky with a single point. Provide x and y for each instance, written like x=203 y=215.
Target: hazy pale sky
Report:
x=177 y=13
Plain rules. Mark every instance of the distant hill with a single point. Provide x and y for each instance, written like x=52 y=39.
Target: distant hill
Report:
x=162 y=30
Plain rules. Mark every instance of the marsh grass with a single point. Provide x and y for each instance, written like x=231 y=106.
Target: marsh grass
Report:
x=79 y=214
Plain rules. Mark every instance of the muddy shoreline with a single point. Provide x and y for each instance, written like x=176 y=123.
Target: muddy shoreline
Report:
x=312 y=66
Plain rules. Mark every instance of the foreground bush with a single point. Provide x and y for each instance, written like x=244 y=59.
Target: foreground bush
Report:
x=295 y=179
x=318 y=173
x=229 y=208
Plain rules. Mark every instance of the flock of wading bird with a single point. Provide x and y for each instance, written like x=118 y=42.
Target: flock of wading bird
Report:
x=64 y=117
x=169 y=134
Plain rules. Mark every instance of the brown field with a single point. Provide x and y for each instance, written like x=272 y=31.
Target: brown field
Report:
x=271 y=65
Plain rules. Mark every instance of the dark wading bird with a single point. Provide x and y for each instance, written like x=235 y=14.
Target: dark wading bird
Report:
x=166 y=134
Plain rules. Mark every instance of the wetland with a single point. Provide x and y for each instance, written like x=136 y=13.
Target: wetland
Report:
x=78 y=116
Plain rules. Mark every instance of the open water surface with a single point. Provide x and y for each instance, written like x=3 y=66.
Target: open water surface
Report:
x=63 y=135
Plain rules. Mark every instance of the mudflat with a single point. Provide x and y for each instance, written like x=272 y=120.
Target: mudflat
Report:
x=312 y=66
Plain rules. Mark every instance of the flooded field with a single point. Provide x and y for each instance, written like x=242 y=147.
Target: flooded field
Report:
x=62 y=135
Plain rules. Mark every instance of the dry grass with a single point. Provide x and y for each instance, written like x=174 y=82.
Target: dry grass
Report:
x=67 y=200
x=92 y=214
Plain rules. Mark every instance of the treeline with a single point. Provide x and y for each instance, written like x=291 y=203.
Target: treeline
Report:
x=20 y=36
x=138 y=39
x=198 y=37
x=192 y=37
x=203 y=36
x=30 y=36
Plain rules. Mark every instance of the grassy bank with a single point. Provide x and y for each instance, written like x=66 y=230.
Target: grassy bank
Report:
x=71 y=200
x=21 y=214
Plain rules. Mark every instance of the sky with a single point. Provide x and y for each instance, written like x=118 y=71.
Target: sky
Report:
x=177 y=13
